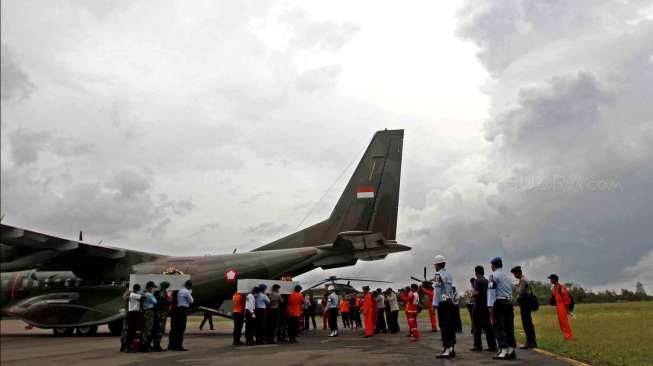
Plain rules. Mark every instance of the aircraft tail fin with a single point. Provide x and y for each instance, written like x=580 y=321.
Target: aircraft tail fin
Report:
x=369 y=202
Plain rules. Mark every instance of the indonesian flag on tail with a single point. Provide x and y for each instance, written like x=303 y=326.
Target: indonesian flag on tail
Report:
x=365 y=192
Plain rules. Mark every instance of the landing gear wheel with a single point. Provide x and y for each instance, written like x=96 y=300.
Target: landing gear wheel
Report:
x=87 y=331
x=115 y=327
x=63 y=331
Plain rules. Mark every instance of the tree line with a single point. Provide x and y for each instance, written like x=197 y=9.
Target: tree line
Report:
x=584 y=296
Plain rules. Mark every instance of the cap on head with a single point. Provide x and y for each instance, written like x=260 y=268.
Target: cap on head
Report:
x=439 y=259
x=515 y=270
x=331 y=288
x=262 y=286
x=554 y=277
x=497 y=262
x=150 y=285
x=164 y=284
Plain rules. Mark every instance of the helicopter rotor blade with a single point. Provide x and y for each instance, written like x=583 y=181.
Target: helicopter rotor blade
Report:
x=318 y=284
x=363 y=280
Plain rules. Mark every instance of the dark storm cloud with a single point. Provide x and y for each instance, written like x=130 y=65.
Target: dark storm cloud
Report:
x=28 y=145
x=507 y=30
x=564 y=186
x=16 y=84
x=107 y=208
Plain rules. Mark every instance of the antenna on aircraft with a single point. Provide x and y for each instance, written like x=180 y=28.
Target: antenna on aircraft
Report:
x=235 y=249
x=81 y=236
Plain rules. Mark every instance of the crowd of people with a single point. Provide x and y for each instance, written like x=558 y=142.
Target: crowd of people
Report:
x=270 y=317
x=491 y=308
x=147 y=314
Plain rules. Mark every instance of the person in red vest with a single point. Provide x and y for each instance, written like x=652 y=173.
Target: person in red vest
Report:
x=411 y=310
x=294 y=311
x=561 y=299
x=427 y=289
x=238 y=313
x=369 y=307
x=404 y=296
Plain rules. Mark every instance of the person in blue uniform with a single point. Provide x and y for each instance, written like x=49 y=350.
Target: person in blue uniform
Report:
x=178 y=326
x=443 y=302
x=502 y=314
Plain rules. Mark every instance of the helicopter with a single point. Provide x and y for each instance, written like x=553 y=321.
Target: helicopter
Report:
x=341 y=288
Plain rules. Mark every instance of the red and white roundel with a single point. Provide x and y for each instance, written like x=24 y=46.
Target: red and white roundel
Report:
x=231 y=274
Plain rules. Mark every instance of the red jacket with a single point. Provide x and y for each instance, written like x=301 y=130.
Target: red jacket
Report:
x=295 y=301
x=238 y=303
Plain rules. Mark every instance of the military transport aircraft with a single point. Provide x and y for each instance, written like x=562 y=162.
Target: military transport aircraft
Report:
x=52 y=282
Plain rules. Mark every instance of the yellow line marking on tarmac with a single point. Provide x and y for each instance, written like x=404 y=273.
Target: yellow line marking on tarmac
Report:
x=570 y=361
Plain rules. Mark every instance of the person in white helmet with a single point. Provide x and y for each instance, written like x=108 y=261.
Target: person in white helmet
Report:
x=332 y=308
x=444 y=306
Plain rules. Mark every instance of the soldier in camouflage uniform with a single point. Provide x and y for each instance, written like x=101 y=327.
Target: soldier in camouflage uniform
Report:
x=161 y=314
x=149 y=304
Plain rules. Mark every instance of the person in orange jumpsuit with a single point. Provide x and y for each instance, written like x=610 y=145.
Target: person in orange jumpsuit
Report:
x=238 y=313
x=344 y=312
x=427 y=289
x=560 y=295
x=369 y=307
x=411 y=311
x=294 y=311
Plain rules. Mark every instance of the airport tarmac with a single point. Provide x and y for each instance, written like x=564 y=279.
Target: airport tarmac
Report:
x=39 y=347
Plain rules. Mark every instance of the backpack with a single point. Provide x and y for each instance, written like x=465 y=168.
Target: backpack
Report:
x=531 y=300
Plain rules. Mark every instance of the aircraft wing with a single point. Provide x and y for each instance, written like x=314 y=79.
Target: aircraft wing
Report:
x=25 y=249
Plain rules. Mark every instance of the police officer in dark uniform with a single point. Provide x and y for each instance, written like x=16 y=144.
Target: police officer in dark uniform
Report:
x=502 y=314
x=480 y=314
x=524 y=292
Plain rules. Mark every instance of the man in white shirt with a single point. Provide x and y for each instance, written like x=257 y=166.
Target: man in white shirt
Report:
x=380 y=312
x=250 y=316
x=133 y=314
x=332 y=307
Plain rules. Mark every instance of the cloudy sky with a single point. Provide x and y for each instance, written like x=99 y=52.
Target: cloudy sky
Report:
x=191 y=127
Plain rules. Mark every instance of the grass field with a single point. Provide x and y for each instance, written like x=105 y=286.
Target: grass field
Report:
x=605 y=334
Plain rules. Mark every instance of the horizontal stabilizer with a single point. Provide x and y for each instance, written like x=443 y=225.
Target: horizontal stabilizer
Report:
x=351 y=246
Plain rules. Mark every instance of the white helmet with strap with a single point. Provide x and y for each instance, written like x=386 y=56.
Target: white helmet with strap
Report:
x=439 y=259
